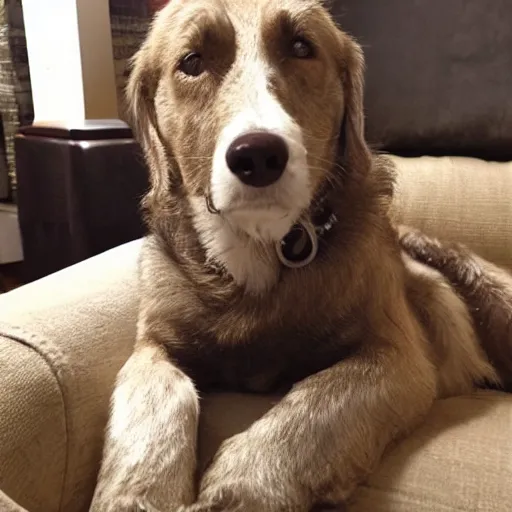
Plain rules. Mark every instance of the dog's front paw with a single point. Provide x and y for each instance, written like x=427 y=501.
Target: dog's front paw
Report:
x=122 y=504
x=226 y=498
x=248 y=475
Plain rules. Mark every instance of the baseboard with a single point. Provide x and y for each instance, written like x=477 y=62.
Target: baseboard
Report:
x=10 y=238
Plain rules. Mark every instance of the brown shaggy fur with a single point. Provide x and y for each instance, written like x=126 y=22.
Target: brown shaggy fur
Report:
x=361 y=341
x=484 y=287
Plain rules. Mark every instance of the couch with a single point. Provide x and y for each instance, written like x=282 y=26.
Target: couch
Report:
x=64 y=338
x=437 y=98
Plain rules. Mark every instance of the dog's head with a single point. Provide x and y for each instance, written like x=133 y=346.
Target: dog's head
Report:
x=248 y=106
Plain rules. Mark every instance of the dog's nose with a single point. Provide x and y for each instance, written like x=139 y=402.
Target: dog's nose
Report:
x=258 y=159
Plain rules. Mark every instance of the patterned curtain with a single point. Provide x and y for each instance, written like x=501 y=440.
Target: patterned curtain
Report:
x=130 y=21
x=15 y=93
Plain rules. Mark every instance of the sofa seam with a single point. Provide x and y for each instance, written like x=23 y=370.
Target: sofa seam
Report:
x=20 y=339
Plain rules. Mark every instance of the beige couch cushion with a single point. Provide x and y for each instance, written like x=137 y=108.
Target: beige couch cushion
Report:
x=62 y=341
x=460 y=459
x=463 y=199
x=7 y=505
x=32 y=424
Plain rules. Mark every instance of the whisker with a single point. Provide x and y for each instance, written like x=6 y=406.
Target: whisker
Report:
x=184 y=157
x=297 y=143
x=196 y=168
x=321 y=139
x=287 y=138
x=330 y=162
x=326 y=169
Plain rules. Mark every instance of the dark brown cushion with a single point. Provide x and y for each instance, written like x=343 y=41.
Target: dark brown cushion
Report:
x=439 y=77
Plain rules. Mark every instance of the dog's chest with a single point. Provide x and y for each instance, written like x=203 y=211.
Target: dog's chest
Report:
x=268 y=361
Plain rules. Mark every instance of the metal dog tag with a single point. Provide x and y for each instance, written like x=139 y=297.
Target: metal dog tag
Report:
x=299 y=247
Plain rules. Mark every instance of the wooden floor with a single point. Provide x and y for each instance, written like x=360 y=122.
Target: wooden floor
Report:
x=10 y=277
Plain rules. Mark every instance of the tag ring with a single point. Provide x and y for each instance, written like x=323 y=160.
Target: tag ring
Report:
x=309 y=229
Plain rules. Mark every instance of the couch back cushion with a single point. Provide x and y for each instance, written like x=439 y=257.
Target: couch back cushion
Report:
x=439 y=74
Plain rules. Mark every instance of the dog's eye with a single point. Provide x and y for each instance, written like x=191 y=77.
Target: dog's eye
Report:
x=192 y=64
x=302 y=48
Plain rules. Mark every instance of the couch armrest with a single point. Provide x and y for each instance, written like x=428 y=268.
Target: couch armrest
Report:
x=461 y=199
x=62 y=341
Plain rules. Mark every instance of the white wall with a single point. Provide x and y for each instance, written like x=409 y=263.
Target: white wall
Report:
x=70 y=56
x=10 y=238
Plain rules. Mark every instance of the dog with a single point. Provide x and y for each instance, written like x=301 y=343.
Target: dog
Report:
x=271 y=266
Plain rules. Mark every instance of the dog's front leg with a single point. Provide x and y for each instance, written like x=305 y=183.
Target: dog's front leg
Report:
x=314 y=447
x=150 y=447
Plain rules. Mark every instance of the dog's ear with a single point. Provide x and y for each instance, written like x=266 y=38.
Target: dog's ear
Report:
x=355 y=152
x=141 y=93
